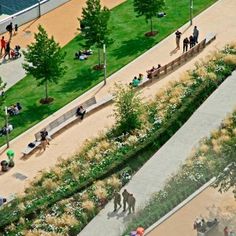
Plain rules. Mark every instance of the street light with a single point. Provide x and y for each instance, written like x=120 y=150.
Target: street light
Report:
x=105 y=64
x=6 y=125
x=191 y=11
x=39 y=8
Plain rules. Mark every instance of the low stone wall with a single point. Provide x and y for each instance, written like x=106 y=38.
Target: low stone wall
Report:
x=30 y=13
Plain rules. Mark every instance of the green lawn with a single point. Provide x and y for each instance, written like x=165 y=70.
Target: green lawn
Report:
x=129 y=42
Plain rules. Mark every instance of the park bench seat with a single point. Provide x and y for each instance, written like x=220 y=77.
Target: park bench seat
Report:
x=69 y=117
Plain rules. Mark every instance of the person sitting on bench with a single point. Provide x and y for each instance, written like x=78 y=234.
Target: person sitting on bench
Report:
x=140 y=77
x=81 y=112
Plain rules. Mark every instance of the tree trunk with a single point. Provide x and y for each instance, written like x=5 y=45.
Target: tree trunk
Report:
x=151 y=25
x=46 y=90
x=99 y=57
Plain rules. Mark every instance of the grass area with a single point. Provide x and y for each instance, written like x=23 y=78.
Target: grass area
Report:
x=129 y=42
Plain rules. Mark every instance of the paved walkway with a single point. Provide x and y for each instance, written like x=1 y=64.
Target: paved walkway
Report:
x=209 y=204
x=68 y=142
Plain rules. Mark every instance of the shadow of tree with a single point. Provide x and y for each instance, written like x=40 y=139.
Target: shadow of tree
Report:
x=134 y=46
x=85 y=78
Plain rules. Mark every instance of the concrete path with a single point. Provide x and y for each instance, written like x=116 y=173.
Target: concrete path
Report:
x=68 y=142
x=153 y=175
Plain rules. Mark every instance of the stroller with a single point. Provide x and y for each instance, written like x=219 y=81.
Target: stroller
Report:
x=16 y=52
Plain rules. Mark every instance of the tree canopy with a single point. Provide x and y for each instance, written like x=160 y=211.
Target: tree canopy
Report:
x=148 y=8
x=94 y=24
x=44 y=59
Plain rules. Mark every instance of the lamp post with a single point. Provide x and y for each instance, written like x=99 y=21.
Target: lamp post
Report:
x=39 y=8
x=105 y=64
x=191 y=11
x=6 y=125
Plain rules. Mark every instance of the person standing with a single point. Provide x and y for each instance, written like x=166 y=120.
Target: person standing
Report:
x=117 y=200
x=191 y=41
x=44 y=139
x=3 y=45
x=125 y=196
x=195 y=34
x=131 y=203
x=185 y=44
x=16 y=29
x=9 y=28
x=177 y=38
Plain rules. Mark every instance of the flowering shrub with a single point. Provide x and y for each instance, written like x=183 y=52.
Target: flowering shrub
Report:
x=75 y=211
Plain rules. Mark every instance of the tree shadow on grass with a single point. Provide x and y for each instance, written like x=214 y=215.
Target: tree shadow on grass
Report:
x=134 y=46
x=84 y=79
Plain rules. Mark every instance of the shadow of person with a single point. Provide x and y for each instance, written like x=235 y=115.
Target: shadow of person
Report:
x=111 y=214
x=174 y=51
x=121 y=214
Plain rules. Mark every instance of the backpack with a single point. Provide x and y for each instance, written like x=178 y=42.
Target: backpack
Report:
x=31 y=145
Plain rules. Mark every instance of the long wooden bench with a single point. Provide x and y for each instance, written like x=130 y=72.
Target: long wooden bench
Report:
x=56 y=125
x=183 y=58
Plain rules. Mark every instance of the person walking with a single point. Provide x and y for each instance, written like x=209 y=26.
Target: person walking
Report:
x=195 y=34
x=177 y=38
x=7 y=50
x=3 y=45
x=125 y=196
x=117 y=201
x=131 y=203
x=185 y=45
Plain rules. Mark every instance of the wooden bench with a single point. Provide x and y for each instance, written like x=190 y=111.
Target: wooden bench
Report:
x=183 y=58
x=58 y=124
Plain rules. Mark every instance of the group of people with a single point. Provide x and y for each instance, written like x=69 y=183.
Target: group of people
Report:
x=7 y=51
x=9 y=29
x=191 y=41
x=128 y=199
x=136 y=80
x=149 y=72
x=14 y=109
x=83 y=54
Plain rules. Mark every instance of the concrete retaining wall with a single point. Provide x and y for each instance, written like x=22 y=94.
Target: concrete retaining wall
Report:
x=30 y=13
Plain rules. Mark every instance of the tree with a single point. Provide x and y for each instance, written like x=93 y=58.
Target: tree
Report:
x=94 y=25
x=44 y=60
x=128 y=109
x=149 y=9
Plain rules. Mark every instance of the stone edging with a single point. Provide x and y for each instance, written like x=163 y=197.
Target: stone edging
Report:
x=177 y=208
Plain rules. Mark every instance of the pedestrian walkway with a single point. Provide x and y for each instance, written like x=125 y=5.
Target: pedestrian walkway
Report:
x=166 y=161
x=69 y=141
x=209 y=204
